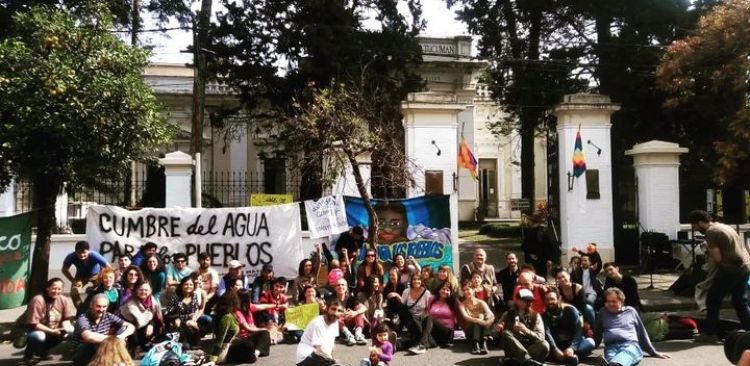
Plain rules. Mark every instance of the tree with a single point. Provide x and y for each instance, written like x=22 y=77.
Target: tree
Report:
x=332 y=128
x=319 y=41
x=532 y=55
x=707 y=76
x=73 y=109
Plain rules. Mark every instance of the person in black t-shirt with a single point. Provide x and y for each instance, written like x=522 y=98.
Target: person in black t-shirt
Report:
x=624 y=282
x=352 y=240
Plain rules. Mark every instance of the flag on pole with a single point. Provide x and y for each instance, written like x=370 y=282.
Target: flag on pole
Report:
x=579 y=161
x=466 y=158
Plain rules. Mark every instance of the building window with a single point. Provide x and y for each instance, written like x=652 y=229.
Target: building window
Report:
x=274 y=176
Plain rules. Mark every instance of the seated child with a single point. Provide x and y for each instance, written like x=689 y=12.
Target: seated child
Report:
x=381 y=352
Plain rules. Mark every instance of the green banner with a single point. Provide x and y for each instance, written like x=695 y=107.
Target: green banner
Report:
x=15 y=249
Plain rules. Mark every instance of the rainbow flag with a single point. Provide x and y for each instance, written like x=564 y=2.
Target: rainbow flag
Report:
x=579 y=161
x=466 y=158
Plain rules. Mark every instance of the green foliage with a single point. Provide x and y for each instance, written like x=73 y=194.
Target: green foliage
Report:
x=501 y=230
x=706 y=78
x=73 y=105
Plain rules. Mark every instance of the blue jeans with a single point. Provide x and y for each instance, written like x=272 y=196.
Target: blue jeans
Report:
x=624 y=354
x=727 y=283
x=589 y=315
x=39 y=343
x=206 y=323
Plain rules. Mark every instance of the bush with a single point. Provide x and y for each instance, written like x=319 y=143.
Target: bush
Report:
x=500 y=230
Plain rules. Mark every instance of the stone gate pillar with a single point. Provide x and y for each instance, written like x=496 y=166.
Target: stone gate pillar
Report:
x=178 y=169
x=656 y=166
x=586 y=201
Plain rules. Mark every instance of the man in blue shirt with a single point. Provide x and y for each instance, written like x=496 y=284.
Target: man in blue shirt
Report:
x=144 y=252
x=88 y=264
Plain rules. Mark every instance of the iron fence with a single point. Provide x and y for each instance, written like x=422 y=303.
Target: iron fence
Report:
x=233 y=189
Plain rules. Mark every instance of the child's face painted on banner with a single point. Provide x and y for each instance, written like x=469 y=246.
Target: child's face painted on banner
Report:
x=392 y=226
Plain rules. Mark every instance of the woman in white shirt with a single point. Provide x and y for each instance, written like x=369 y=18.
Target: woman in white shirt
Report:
x=412 y=309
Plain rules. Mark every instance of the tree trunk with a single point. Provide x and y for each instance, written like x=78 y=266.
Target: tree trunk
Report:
x=44 y=195
x=372 y=231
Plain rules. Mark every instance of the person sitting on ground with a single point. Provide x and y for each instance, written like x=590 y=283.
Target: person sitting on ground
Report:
x=594 y=257
x=144 y=312
x=526 y=281
x=381 y=352
x=574 y=264
x=209 y=281
x=353 y=316
x=412 y=310
x=154 y=274
x=252 y=342
x=94 y=327
x=235 y=272
x=572 y=293
x=621 y=328
x=586 y=277
x=394 y=284
x=311 y=297
x=372 y=296
x=478 y=288
x=443 y=310
x=176 y=271
x=123 y=262
x=184 y=309
x=226 y=325
x=507 y=278
x=407 y=268
x=427 y=274
x=478 y=317
x=521 y=332
x=274 y=318
x=88 y=264
x=624 y=282
x=479 y=264
x=564 y=331
x=105 y=284
x=263 y=282
x=47 y=321
x=145 y=251
x=444 y=275
x=307 y=274
x=316 y=346
x=369 y=267
x=112 y=352
x=131 y=278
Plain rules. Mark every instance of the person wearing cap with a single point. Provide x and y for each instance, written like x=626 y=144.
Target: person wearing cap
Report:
x=263 y=282
x=522 y=332
x=235 y=272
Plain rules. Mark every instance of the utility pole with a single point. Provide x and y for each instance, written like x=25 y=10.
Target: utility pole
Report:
x=135 y=27
x=201 y=23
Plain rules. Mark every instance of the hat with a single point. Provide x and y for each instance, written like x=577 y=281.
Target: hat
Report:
x=525 y=294
x=268 y=267
x=235 y=264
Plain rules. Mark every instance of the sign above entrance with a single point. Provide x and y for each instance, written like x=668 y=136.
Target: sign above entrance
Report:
x=519 y=204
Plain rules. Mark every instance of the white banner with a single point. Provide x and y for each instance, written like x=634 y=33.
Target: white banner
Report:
x=253 y=235
x=326 y=216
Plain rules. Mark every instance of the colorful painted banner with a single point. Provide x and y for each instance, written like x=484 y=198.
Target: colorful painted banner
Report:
x=263 y=199
x=253 y=235
x=15 y=254
x=417 y=227
x=299 y=316
x=326 y=216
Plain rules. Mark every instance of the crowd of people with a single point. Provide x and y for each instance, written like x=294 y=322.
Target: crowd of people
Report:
x=399 y=305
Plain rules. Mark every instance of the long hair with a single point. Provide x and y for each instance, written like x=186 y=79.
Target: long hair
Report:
x=112 y=352
x=124 y=277
x=376 y=269
x=246 y=298
x=370 y=283
x=301 y=269
x=179 y=292
x=147 y=272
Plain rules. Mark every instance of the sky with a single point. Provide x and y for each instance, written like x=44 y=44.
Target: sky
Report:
x=440 y=23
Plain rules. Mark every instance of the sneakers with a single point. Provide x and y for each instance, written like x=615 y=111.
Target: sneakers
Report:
x=573 y=361
x=359 y=337
x=476 y=349
x=418 y=349
x=707 y=338
x=350 y=340
x=483 y=348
